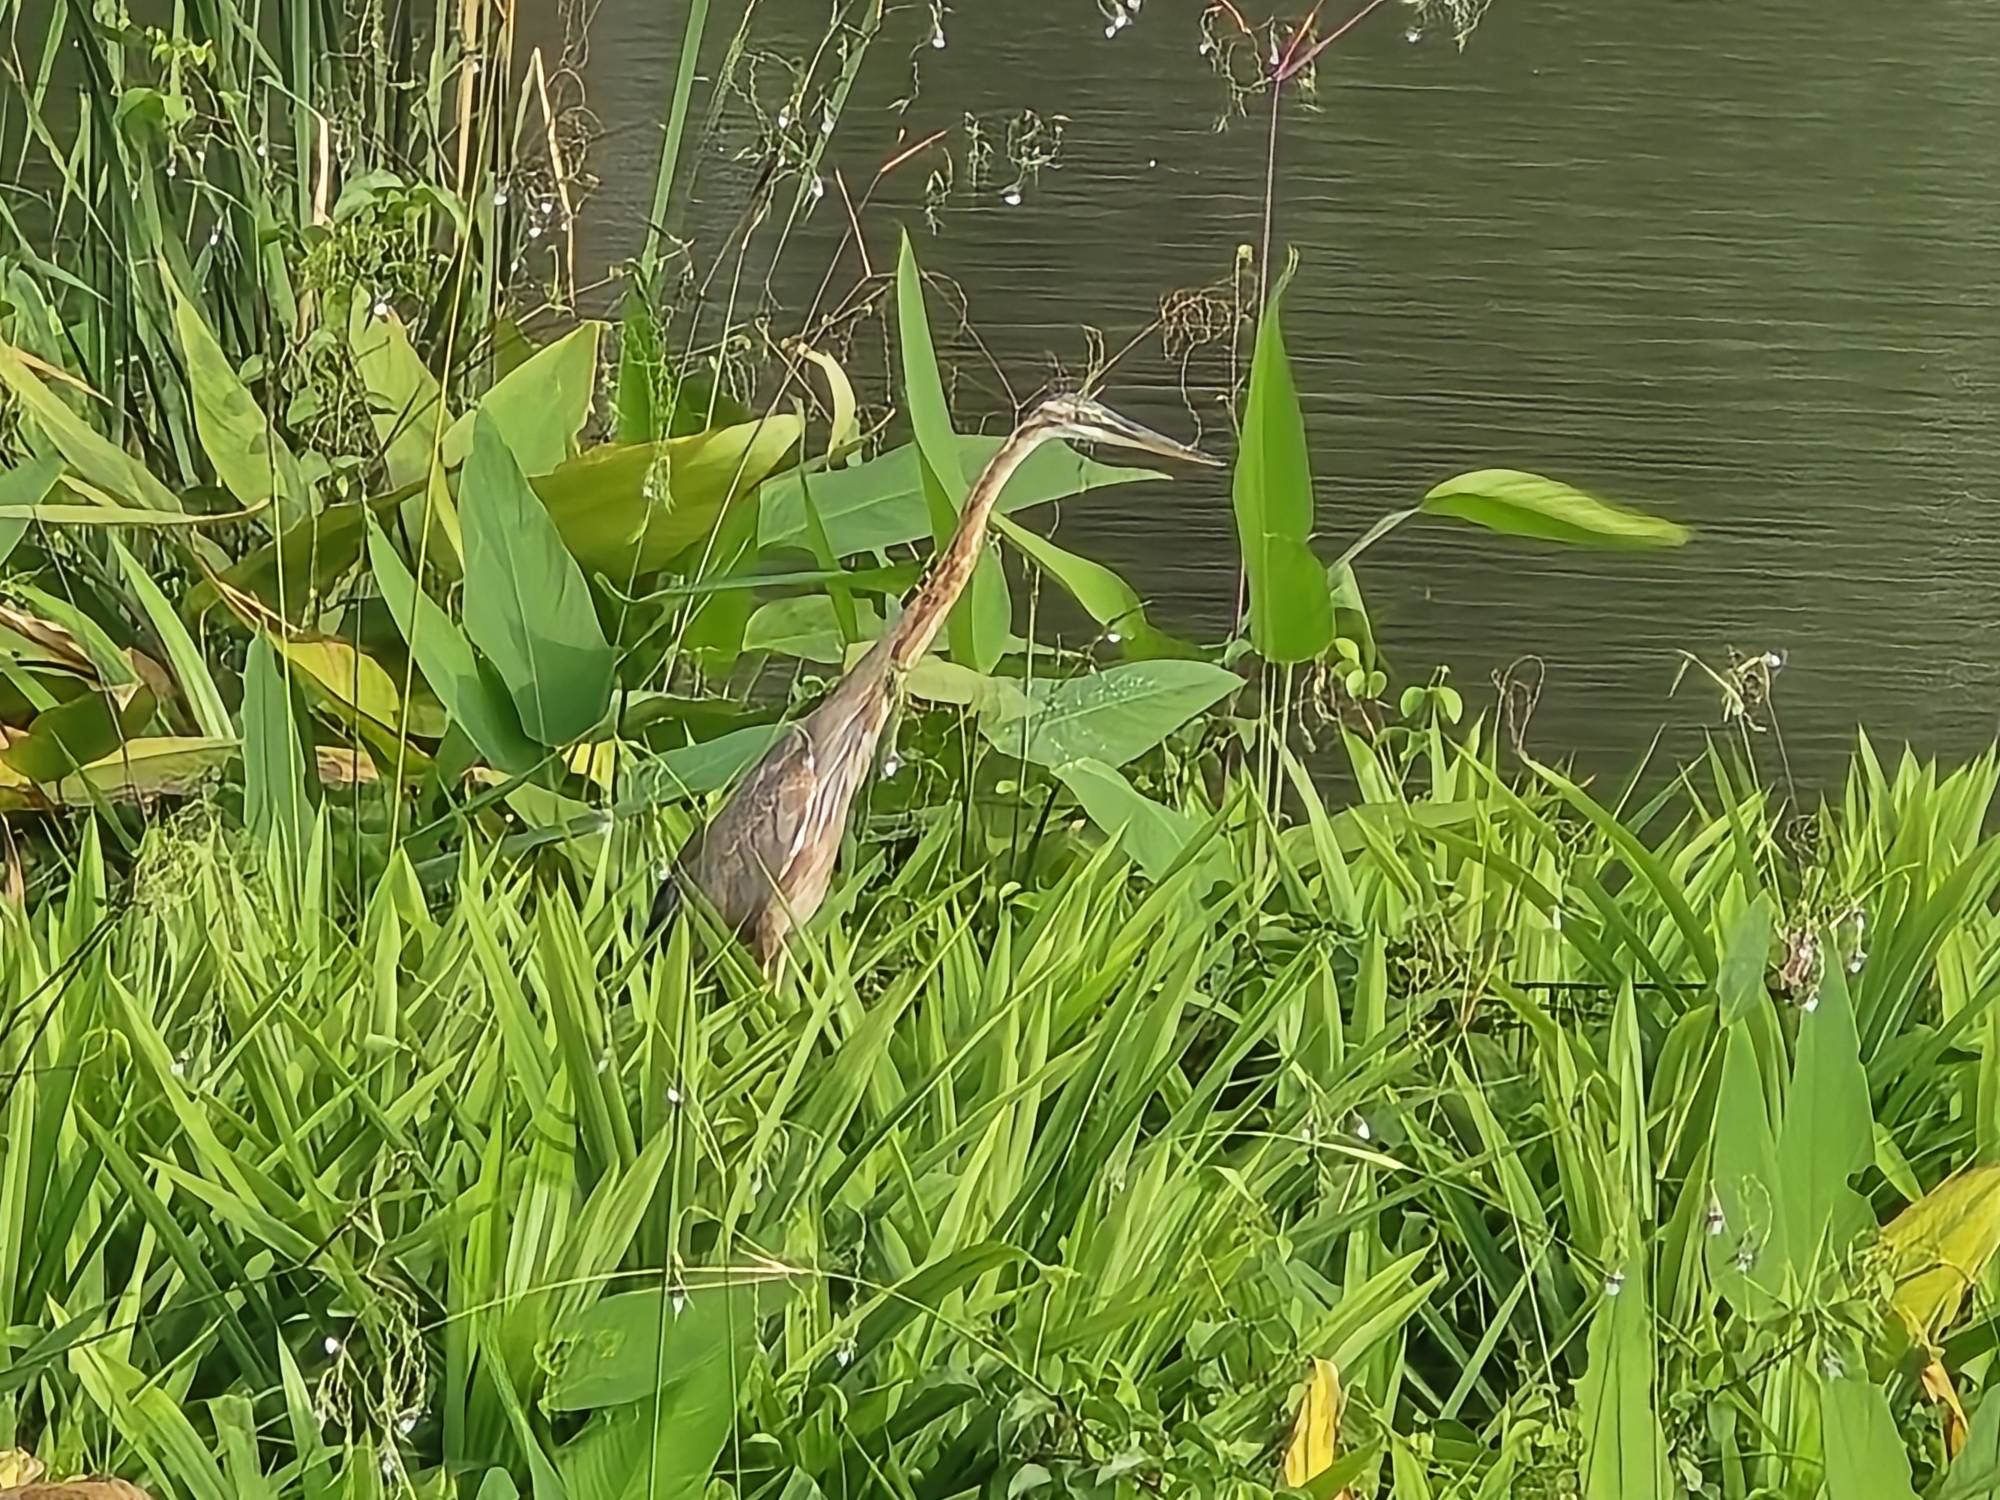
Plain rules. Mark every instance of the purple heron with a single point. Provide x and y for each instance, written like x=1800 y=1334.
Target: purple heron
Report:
x=764 y=861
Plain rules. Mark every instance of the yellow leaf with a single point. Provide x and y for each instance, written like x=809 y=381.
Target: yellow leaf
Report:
x=1316 y=1432
x=1937 y=1385
x=18 y=1466
x=844 y=427
x=597 y=762
x=1939 y=1245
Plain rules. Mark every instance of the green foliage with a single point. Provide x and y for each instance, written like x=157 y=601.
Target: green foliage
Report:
x=580 y=1213
x=1291 y=611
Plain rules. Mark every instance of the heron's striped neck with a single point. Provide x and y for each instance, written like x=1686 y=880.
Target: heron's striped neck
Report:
x=925 y=613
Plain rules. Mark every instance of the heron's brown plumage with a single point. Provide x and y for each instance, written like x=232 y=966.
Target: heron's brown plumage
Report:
x=77 y=1489
x=764 y=862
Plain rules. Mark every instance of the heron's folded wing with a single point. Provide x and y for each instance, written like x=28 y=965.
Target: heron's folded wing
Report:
x=742 y=853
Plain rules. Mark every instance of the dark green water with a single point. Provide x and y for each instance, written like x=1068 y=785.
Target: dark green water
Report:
x=1737 y=263
x=1733 y=262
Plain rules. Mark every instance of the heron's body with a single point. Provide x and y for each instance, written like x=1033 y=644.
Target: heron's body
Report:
x=764 y=862
x=77 y=1489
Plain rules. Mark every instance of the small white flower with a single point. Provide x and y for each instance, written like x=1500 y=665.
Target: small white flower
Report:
x=603 y=1063
x=1774 y=659
x=818 y=189
x=534 y=231
x=1715 y=1222
x=785 y=118
x=173 y=167
x=1831 y=1367
x=407 y=1422
x=1854 y=964
x=1206 y=47
x=262 y=150
x=500 y=198
x=678 y=1301
x=1361 y=1130
x=381 y=308
x=1746 y=1258
x=1810 y=1003
x=1113 y=637
x=389 y=1465
x=843 y=1355
x=674 y=1097
x=333 y=1346
x=178 y=1067
x=891 y=764
x=1012 y=197
x=937 y=38
x=1110 y=32
x=1614 y=1283
x=1414 y=35
x=826 y=119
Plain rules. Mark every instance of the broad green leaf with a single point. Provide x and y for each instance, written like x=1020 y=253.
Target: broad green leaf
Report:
x=627 y=511
x=289 y=573
x=923 y=390
x=470 y=690
x=22 y=489
x=1865 y=1459
x=539 y=407
x=105 y=465
x=1105 y=597
x=621 y=1348
x=250 y=458
x=1291 y=612
x=404 y=401
x=340 y=673
x=936 y=680
x=277 y=749
x=1828 y=1135
x=1747 y=1256
x=139 y=770
x=1624 y=1450
x=696 y=770
x=74 y=734
x=805 y=626
x=1520 y=504
x=1112 y=716
x=189 y=668
x=680 y=1395
x=1939 y=1246
x=1154 y=834
x=527 y=608
x=880 y=504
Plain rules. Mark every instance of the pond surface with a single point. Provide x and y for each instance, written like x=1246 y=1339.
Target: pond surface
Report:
x=1736 y=263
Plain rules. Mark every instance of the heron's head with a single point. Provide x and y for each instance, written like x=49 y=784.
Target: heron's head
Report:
x=1078 y=419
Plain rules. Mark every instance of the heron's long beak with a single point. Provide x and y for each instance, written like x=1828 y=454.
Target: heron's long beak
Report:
x=1112 y=428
